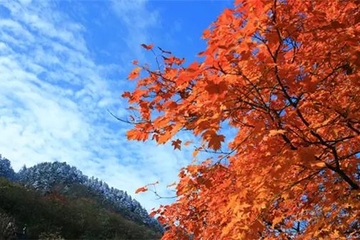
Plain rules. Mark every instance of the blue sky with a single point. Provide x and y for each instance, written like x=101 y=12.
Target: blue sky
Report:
x=64 y=63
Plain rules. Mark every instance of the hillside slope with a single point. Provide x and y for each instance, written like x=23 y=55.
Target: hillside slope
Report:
x=55 y=198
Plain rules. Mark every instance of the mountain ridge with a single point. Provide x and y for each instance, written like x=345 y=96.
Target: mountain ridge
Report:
x=60 y=179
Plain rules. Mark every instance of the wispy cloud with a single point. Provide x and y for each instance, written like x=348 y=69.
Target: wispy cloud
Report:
x=139 y=19
x=55 y=91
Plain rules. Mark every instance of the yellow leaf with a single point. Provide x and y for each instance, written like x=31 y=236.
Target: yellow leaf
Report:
x=318 y=164
x=276 y=132
x=277 y=220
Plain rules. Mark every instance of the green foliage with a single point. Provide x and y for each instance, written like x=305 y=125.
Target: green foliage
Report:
x=7 y=226
x=78 y=216
x=50 y=236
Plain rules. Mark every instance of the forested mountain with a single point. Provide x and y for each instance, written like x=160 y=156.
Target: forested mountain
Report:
x=6 y=170
x=71 y=199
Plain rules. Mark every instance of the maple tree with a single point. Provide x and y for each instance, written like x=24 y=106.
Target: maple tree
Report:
x=285 y=75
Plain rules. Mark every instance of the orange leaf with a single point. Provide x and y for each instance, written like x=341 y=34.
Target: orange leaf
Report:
x=195 y=152
x=126 y=95
x=147 y=47
x=142 y=189
x=187 y=143
x=135 y=73
x=193 y=67
x=214 y=140
x=152 y=213
x=176 y=143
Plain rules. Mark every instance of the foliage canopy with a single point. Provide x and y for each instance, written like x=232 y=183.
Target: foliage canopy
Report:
x=285 y=76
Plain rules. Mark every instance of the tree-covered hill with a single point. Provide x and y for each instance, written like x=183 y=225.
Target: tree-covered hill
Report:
x=55 y=198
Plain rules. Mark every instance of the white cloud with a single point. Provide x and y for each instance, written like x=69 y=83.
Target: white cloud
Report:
x=54 y=96
x=139 y=19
